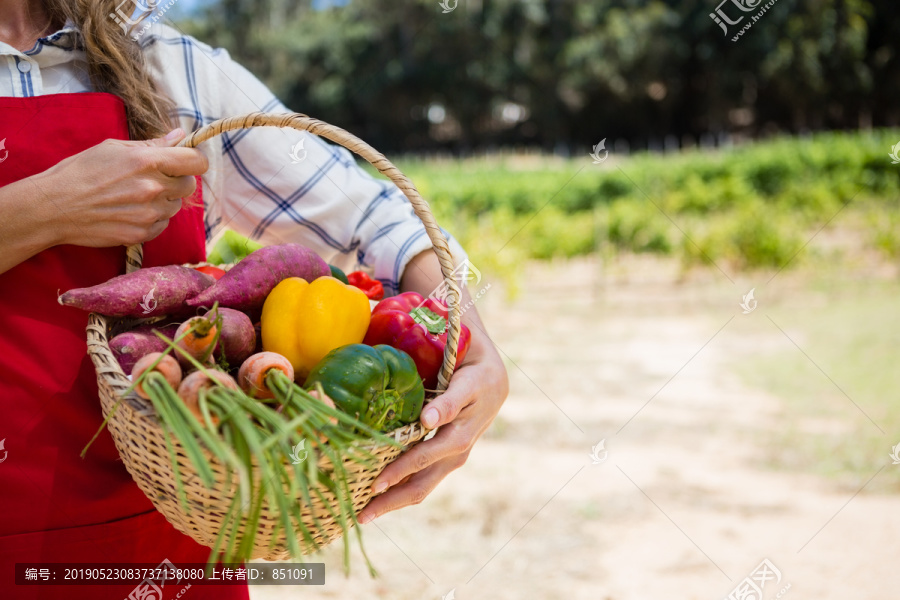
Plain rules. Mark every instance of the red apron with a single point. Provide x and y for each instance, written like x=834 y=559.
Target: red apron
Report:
x=55 y=506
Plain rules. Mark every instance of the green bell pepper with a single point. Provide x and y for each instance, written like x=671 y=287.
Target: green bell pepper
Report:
x=378 y=385
x=339 y=275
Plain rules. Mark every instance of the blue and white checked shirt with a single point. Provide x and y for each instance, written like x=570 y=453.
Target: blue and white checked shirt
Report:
x=254 y=186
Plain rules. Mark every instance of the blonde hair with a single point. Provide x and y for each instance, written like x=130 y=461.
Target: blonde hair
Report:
x=116 y=64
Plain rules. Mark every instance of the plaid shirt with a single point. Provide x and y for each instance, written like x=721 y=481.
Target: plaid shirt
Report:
x=276 y=185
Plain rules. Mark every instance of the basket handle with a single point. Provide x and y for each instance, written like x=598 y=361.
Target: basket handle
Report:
x=134 y=254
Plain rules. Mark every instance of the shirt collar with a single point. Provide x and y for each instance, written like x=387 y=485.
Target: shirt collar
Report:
x=67 y=38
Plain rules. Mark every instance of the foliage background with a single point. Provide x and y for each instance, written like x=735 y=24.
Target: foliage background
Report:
x=722 y=151
x=577 y=71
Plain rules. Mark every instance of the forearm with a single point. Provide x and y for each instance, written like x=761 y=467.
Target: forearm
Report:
x=423 y=275
x=26 y=223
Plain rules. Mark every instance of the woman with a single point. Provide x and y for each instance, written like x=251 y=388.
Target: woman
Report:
x=74 y=191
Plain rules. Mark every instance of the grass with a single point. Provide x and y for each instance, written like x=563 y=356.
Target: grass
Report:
x=851 y=332
x=748 y=207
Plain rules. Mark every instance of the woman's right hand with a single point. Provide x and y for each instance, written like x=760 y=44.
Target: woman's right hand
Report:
x=119 y=192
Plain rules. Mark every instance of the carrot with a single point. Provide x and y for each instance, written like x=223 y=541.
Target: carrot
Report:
x=252 y=374
x=197 y=337
x=190 y=388
x=325 y=400
x=156 y=361
x=143 y=293
x=246 y=285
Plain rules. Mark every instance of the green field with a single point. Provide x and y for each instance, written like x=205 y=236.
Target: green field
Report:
x=751 y=206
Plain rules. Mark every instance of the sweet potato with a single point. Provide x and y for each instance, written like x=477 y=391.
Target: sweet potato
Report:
x=257 y=327
x=237 y=339
x=144 y=293
x=246 y=285
x=131 y=346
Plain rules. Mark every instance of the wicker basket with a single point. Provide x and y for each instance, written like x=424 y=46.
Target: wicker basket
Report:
x=137 y=432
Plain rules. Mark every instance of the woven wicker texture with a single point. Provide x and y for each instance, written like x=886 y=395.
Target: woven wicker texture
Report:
x=140 y=438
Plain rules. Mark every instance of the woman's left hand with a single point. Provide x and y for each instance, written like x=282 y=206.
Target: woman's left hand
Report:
x=464 y=412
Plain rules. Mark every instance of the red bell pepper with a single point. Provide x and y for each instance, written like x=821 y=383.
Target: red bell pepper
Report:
x=371 y=287
x=215 y=272
x=418 y=326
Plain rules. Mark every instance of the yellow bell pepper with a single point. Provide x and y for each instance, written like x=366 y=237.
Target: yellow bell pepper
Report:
x=304 y=321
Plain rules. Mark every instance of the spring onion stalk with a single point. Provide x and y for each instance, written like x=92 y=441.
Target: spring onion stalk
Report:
x=253 y=439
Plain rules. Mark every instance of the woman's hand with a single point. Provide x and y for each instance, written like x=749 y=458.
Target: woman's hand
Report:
x=116 y=193
x=119 y=192
x=477 y=390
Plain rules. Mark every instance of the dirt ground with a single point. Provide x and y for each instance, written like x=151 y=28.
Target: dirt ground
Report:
x=686 y=503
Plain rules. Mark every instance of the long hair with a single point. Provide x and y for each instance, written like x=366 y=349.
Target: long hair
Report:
x=116 y=64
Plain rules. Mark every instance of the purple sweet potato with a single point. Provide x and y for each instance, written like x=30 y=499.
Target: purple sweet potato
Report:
x=237 y=339
x=246 y=285
x=131 y=346
x=144 y=293
x=257 y=327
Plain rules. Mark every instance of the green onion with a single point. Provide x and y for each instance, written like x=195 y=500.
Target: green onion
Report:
x=253 y=441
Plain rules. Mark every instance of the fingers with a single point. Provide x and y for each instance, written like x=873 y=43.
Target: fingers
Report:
x=445 y=407
x=463 y=412
x=168 y=208
x=180 y=162
x=173 y=138
x=180 y=187
x=161 y=193
x=414 y=490
x=156 y=229
x=455 y=436
x=169 y=205
x=452 y=440
x=176 y=162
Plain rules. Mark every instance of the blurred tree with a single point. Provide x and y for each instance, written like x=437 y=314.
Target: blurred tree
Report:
x=564 y=73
